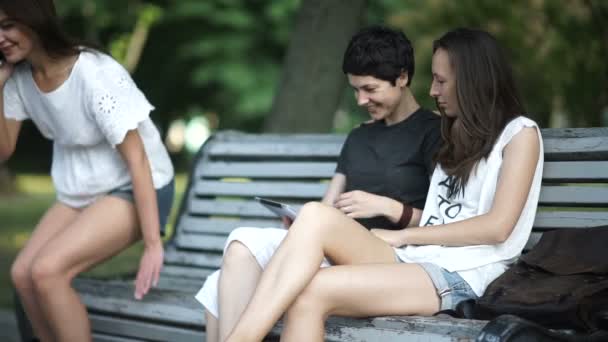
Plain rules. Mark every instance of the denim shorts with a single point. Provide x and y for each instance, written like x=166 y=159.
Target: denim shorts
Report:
x=164 y=199
x=451 y=288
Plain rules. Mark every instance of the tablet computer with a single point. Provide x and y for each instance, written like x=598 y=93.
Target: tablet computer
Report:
x=280 y=209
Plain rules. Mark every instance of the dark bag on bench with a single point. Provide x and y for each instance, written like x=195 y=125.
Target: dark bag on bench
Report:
x=561 y=283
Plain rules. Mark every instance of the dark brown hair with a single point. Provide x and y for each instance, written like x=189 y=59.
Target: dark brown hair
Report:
x=40 y=16
x=487 y=100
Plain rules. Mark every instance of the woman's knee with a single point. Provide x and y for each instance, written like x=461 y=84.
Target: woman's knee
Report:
x=314 y=209
x=312 y=300
x=21 y=275
x=237 y=255
x=315 y=219
x=46 y=274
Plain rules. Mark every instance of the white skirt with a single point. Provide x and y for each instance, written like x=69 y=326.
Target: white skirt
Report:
x=262 y=242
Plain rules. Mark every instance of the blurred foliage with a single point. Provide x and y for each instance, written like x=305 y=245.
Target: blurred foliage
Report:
x=558 y=49
x=224 y=57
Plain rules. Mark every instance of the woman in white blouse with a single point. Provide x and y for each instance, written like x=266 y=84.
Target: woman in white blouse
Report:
x=476 y=219
x=112 y=175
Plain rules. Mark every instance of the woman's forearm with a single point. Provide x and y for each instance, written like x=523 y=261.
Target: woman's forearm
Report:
x=145 y=200
x=479 y=230
x=134 y=154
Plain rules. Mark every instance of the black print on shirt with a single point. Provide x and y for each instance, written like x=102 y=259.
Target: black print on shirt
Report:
x=450 y=209
x=453 y=189
x=431 y=221
x=448 y=182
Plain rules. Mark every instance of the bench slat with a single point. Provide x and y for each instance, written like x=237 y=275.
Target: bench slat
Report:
x=277 y=170
x=185 y=272
x=146 y=331
x=277 y=138
x=174 y=257
x=570 y=219
x=116 y=298
x=574 y=196
x=575 y=143
x=201 y=242
x=242 y=209
x=268 y=189
x=402 y=328
x=108 y=338
x=200 y=225
x=228 y=208
x=270 y=149
x=571 y=172
x=185 y=285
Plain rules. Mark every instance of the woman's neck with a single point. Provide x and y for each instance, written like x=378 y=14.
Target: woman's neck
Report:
x=407 y=106
x=49 y=73
x=48 y=67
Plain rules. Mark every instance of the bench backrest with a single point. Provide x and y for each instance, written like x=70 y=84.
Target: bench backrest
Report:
x=232 y=168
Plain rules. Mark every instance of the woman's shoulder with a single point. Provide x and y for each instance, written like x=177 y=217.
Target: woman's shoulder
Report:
x=100 y=72
x=522 y=121
x=98 y=63
x=515 y=126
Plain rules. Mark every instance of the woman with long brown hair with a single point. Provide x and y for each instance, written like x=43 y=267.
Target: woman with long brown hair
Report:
x=112 y=175
x=476 y=220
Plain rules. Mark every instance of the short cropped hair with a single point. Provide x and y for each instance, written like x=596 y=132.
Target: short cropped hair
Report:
x=380 y=52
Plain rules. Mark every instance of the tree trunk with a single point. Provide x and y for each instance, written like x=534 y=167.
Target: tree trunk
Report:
x=312 y=81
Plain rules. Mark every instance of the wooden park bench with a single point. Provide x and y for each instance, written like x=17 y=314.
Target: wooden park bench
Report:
x=231 y=168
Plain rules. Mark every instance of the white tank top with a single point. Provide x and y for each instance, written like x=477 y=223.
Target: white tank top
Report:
x=478 y=265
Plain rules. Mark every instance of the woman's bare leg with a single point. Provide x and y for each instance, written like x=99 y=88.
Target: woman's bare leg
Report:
x=211 y=328
x=99 y=232
x=238 y=279
x=319 y=231
x=359 y=291
x=57 y=218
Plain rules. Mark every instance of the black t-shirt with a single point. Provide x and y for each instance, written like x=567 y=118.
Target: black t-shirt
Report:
x=394 y=161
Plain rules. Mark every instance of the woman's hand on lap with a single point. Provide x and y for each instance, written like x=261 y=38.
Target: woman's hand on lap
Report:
x=361 y=204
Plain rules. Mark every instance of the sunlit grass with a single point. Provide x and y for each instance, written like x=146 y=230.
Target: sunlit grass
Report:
x=19 y=214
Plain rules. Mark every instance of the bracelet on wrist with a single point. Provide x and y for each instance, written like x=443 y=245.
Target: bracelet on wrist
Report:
x=406 y=216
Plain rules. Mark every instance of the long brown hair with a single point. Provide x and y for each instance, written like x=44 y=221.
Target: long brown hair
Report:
x=487 y=99
x=40 y=16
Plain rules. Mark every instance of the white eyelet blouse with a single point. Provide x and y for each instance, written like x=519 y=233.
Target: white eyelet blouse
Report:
x=86 y=117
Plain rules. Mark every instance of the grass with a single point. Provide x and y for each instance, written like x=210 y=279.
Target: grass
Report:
x=19 y=214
